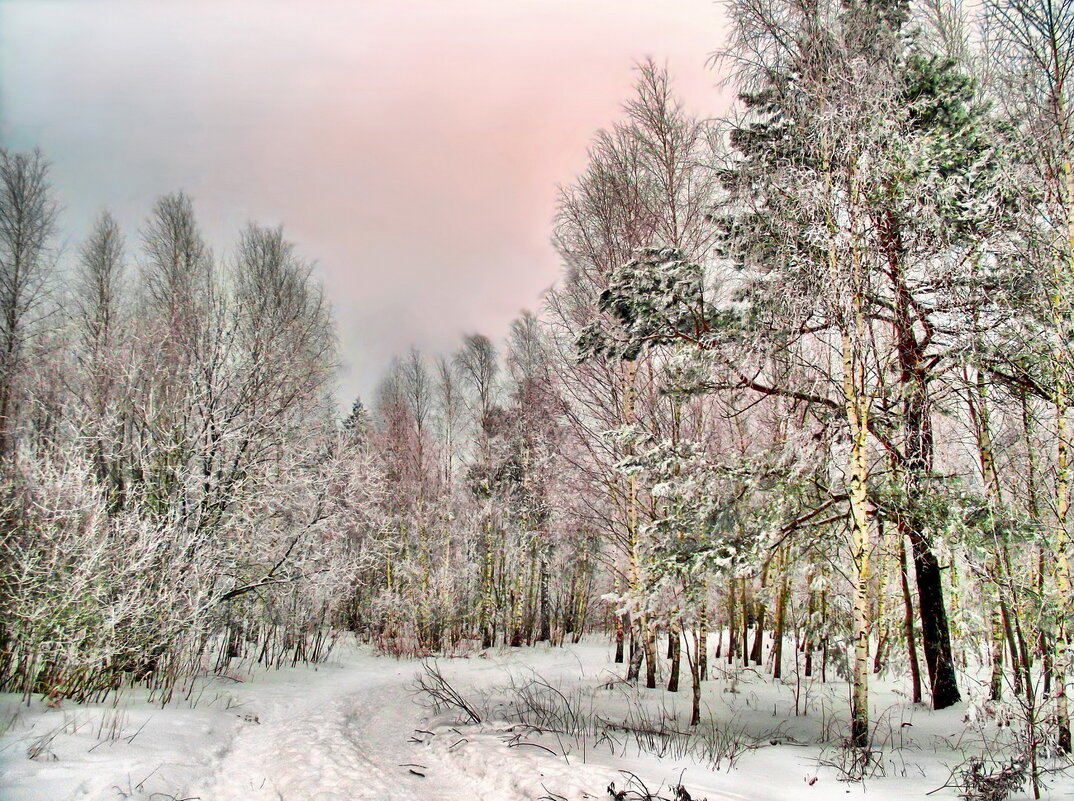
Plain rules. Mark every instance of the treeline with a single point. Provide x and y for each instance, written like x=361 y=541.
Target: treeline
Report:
x=809 y=367
x=170 y=463
x=481 y=545
x=839 y=328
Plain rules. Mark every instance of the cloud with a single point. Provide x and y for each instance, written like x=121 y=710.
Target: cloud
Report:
x=412 y=148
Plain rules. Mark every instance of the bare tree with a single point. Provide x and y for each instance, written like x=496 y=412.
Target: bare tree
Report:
x=450 y=410
x=97 y=311
x=178 y=266
x=27 y=221
x=98 y=279
x=477 y=365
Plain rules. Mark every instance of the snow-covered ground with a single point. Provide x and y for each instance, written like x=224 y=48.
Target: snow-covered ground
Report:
x=353 y=729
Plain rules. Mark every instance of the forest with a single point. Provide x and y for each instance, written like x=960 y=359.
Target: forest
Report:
x=801 y=400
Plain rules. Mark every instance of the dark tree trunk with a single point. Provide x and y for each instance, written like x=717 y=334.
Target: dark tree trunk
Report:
x=697 y=674
x=916 y=466
x=674 y=649
x=1012 y=647
x=649 y=645
x=908 y=623
x=732 y=611
x=757 y=650
x=935 y=635
x=621 y=624
x=747 y=604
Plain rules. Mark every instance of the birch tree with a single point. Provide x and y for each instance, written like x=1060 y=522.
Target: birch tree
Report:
x=1034 y=43
x=649 y=182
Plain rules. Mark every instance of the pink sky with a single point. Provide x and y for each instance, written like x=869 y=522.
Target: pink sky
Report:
x=412 y=148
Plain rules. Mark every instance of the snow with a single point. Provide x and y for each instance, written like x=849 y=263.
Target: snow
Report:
x=354 y=729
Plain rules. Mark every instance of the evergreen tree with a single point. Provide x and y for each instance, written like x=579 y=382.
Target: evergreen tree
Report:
x=357 y=423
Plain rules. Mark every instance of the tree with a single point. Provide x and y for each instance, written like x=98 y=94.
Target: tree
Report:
x=98 y=284
x=648 y=182
x=98 y=310
x=177 y=272
x=27 y=223
x=477 y=365
x=846 y=129
x=189 y=483
x=919 y=166
x=358 y=420
x=1034 y=44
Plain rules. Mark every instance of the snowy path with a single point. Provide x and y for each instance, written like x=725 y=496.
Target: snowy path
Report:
x=347 y=733
x=332 y=741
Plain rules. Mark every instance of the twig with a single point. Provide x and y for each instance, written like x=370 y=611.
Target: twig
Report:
x=535 y=745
